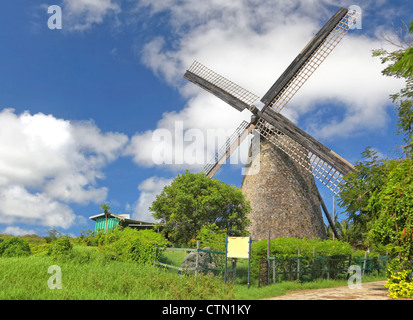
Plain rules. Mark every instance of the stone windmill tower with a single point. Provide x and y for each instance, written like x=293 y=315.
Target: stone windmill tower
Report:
x=283 y=194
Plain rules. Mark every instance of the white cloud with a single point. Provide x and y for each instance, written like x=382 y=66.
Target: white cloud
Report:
x=17 y=231
x=80 y=15
x=20 y=206
x=149 y=189
x=47 y=162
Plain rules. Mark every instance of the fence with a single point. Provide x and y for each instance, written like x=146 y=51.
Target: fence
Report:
x=304 y=268
x=190 y=261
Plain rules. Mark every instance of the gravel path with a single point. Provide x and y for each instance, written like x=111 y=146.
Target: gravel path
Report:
x=368 y=291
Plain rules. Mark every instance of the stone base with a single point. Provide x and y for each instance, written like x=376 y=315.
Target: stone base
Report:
x=283 y=197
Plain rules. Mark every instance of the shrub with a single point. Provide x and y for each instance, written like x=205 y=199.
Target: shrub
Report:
x=60 y=248
x=288 y=247
x=40 y=249
x=399 y=284
x=210 y=236
x=286 y=250
x=131 y=245
x=14 y=247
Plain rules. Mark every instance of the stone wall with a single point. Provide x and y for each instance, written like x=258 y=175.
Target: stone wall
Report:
x=283 y=197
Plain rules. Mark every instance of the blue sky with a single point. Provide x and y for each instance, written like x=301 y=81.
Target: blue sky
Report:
x=80 y=106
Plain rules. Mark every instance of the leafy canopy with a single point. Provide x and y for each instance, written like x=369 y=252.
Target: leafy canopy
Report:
x=193 y=201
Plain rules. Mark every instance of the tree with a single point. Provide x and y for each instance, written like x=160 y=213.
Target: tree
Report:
x=105 y=208
x=401 y=66
x=378 y=196
x=193 y=201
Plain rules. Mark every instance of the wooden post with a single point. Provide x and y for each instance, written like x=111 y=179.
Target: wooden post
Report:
x=273 y=271
x=313 y=269
x=234 y=269
x=364 y=263
x=298 y=264
x=197 y=258
x=349 y=264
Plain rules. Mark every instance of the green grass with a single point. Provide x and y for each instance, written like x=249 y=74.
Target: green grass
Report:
x=90 y=277
x=174 y=258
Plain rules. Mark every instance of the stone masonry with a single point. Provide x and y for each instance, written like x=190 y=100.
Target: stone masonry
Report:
x=283 y=197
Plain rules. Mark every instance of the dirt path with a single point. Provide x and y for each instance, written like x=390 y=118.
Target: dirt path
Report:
x=368 y=291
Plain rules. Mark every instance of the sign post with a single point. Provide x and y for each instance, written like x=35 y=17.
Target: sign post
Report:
x=239 y=248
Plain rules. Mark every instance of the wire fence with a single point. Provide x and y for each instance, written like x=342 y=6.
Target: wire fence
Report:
x=304 y=268
x=275 y=269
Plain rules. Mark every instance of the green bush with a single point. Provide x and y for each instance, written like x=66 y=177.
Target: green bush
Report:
x=399 y=284
x=14 y=247
x=60 y=248
x=286 y=250
x=288 y=247
x=131 y=245
x=210 y=236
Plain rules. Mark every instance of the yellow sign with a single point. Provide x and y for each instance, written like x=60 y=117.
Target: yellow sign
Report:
x=238 y=247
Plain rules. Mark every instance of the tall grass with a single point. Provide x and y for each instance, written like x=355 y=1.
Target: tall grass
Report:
x=88 y=274
x=95 y=278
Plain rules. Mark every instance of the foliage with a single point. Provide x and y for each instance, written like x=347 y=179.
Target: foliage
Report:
x=52 y=235
x=210 y=236
x=41 y=248
x=193 y=201
x=60 y=248
x=14 y=247
x=357 y=189
x=378 y=197
x=399 y=284
x=400 y=65
x=393 y=208
x=89 y=238
x=131 y=245
x=331 y=253
x=288 y=247
x=104 y=207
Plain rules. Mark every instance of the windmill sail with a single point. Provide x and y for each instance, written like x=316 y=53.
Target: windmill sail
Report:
x=323 y=163
x=226 y=150
x=309 y=59
x=226 y=90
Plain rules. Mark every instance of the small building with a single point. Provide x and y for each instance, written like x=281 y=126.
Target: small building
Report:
x=107 y=221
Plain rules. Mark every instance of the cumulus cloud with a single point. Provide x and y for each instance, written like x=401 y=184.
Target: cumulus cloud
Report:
x=46 y=163
x=18 y=205
x=149 y=189
x=81 y=15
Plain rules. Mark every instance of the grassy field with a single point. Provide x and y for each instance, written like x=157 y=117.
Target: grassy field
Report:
x=88 y=276
x=27 y=278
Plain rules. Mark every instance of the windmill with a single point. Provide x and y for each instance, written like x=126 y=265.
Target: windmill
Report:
x=294 y=146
